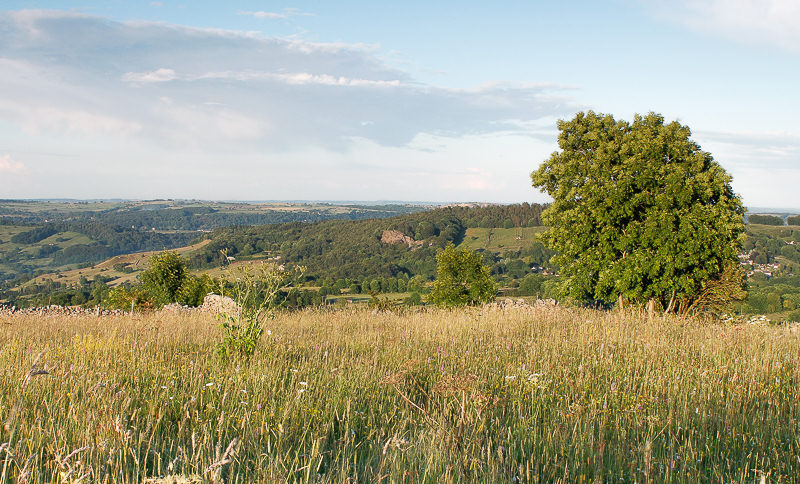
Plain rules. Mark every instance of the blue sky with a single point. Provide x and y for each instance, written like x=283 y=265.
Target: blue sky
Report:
x=433 y=101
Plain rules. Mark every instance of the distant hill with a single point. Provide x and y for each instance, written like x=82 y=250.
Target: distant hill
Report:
x=356 y=251
x=359 y=249
x=44 y=236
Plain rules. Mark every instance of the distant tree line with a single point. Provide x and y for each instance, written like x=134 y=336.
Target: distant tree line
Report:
x=764 y=219
x=166 y=217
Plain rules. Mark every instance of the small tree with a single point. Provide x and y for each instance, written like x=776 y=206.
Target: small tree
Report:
x=461 y=279
x=640 y=214
x=164 y=277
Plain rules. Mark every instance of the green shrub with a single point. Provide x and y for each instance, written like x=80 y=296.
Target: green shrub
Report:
x=164 y=277
x=532 y=285
x=194 y=290
x=127 y=298
x=462 y=279
x=413 y=299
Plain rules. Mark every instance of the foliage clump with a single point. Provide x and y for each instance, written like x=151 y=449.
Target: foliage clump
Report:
x=164 y=277
x=166 y=280
x=640 y=214
x=462 y=279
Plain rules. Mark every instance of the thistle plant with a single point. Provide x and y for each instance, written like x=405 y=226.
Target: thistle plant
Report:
x=255 y=289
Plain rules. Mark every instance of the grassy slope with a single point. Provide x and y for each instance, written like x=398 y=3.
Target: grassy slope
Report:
x=62 y=239
x=471 y=395
x=137 y=261
x=499 y=239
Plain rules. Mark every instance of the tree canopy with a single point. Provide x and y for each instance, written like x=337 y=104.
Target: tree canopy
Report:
x=164 y=276
x=639 y=213
x=461 y=279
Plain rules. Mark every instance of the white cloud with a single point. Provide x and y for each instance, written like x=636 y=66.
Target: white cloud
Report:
x=233 y=91
x=757 y=160
x=285 y=118
x=37 y=100
x=763 y=22
x=284 y=14
x=262 y=14
x=8 y=165
x=296 y=78
x=775 y=149
x=158 y=75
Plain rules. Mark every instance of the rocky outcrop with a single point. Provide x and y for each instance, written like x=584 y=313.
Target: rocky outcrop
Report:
x=397 y=237
x=214 y=303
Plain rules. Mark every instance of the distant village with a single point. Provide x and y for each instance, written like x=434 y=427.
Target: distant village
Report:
x=769 y=269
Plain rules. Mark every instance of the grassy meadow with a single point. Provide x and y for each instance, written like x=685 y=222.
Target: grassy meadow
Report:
x=522 y=395
x=500 y=240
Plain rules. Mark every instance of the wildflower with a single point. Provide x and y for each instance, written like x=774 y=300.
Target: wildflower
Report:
x=210 y=384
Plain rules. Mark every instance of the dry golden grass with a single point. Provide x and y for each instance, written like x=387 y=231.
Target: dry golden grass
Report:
x=553 y=395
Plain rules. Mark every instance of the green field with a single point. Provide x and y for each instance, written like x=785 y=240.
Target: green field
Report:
x=473 y=395
x=30 y=252
x=499 y=239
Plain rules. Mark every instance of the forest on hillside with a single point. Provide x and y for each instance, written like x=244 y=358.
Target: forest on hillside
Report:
x=44 y=236
x=354 y=249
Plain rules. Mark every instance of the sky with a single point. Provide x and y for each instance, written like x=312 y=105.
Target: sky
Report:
x=361 y=100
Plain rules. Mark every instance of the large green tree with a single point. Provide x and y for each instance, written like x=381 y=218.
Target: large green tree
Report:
x=461 y=279
x=640 y=214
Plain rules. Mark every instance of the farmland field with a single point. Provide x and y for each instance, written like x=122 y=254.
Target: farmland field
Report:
x=522 y=395
x=500 y=239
